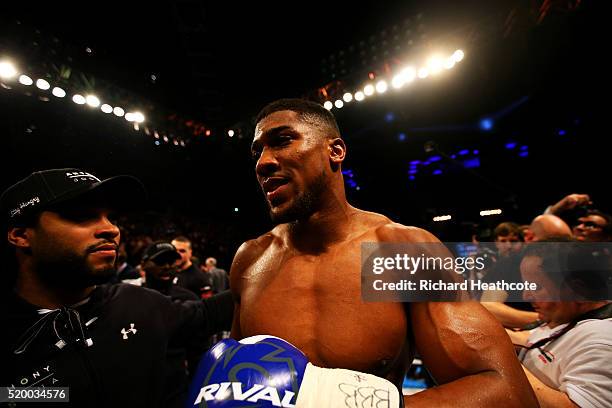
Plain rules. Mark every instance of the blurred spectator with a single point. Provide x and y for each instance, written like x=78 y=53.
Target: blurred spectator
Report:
x=189 y=275
x=508 y=238
x=546 y=226
x=589 y=224
x=219 y=277
x=158 y=271
x=567 y=360
x=124 y=269
x=595 y=226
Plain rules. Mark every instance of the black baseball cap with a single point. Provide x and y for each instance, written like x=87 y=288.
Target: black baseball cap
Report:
x=161 y=251
x=47 y=188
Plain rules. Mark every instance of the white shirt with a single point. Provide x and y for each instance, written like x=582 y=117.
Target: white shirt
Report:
x=581 y=363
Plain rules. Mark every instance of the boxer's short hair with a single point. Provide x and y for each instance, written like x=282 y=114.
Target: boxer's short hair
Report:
x=308 y=111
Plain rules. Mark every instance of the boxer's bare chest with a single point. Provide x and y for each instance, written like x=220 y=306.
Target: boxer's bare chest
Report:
x=314 y=302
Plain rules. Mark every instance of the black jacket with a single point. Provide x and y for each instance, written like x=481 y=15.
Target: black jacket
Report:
x=129 y=329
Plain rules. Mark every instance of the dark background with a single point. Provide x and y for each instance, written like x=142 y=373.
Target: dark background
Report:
x=537 y=68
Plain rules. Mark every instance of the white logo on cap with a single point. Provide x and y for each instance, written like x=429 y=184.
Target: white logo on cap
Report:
x=30 y=202
x=77 y=176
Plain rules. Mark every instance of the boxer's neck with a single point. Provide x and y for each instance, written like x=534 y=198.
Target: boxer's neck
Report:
x=324 y=227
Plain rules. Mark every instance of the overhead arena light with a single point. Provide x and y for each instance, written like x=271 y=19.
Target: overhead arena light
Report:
x=485 y=213
x=118 y=111
x=25 y=80
x=423 y=73
x=458 y=55
x=408 y=74
x=58 y=92
x=42 y=84
x=442 y=218
x=435 y=64
x=138 y=117
x=106 y=108
x=339 y=104
x=381 y=86
x=130 y=117
x=7 y=70
x=92 y=100
x=79 y=99
x=230 y=133
x=449 y=63
x=398 y=81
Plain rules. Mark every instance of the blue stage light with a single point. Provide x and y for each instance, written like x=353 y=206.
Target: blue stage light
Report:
x=486 y=124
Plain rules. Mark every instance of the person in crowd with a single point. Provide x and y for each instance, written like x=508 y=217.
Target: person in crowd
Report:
x=189 y=275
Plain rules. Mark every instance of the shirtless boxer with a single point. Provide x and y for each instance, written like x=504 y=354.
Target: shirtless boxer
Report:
x=301 y=281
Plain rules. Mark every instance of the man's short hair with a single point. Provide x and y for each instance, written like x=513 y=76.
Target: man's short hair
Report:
x=583 y=268
x=183 y=239
x=211 y=261
x=308 y=111
x=607 y=228
x=507 y=228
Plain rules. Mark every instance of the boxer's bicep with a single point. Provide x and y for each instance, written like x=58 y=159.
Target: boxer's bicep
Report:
x=236 y=271
x=247 y=253
x=459 y=339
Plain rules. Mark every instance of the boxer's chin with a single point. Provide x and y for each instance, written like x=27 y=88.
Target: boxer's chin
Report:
x=299 y=208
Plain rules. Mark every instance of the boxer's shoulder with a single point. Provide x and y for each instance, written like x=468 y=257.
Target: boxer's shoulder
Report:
x=395 y=232
x=374 y=226
x=248 y=253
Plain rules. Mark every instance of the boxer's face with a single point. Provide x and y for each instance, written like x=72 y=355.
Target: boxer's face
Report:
x=73 y=246
x=291 y=160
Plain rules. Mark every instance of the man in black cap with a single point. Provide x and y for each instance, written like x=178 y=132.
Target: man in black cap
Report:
x=158 y=267
x=61 y=326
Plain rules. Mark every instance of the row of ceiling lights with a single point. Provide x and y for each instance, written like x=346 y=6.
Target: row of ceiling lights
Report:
x=434 y=66
x=8 y=72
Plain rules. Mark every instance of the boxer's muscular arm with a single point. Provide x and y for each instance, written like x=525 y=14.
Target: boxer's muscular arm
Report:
x=470 y=355
x=248 y=252
x=236 y=286
x=465 y=349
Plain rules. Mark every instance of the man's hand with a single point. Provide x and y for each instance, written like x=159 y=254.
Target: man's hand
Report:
x=569 y=203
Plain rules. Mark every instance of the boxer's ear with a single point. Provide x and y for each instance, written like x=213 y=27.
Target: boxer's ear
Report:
x=19 y=237
x=337 y=150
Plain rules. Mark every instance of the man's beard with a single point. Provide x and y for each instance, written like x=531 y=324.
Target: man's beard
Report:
x=305 y=204
x=159 y=285
x=71 y=271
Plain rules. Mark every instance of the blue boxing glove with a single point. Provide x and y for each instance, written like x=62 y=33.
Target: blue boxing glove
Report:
x=266 y=371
